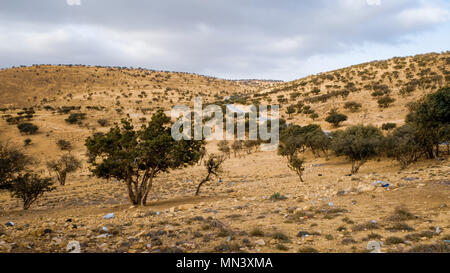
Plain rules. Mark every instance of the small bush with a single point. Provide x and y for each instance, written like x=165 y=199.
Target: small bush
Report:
x=30 y=187
x=28 y=128
x=394 y=240
x=277 y=197
x=75 y=118
x=352 y=106
x=335 y=118
x=388 y=126
x=402 y=214
x=385 y=101
x=27 y=142
x=104 y=122
x=64 y=145
x=308 y=250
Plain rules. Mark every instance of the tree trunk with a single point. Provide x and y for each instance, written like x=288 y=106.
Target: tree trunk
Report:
x=148 y=187
x=62 y=179
x=201 y=183
x=131 y=195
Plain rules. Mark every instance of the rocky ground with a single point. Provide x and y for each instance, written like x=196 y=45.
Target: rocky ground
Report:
x=260 y=207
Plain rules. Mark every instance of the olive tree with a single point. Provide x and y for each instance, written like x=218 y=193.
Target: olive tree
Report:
x=63 y=166
x=404 y=145
x=12 y=163
x=29 y=187
x=136 y=157
x=213 y=167
x=335 y=118
x=292 y=143
x=431 y=115
x=358 y=143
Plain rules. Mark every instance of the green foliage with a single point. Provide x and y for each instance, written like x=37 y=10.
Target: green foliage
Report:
x=12 y=163
x=28 y=128
x=388 y=126
x=431 y=116
x=278 y=197
x=75 y=118
x=291 y=110
x=29 y=188
x=27 y=142
x=297 y=165
x=137 y=156
x=353 y=106
x=404 y=145
x=335 y=118
x=385 y=102
x=64 y=145
x=213 y=166
x=358 y=143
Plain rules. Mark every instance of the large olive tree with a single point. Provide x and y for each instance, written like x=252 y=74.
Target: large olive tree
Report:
x=136 y=157
x=358 y=143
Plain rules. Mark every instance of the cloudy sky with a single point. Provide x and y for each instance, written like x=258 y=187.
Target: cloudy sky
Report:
x=277 y=39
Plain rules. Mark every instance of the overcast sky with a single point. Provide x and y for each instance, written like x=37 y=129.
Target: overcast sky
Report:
x=236 y=39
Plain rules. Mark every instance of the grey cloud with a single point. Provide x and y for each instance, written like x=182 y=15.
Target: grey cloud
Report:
x=225 y=38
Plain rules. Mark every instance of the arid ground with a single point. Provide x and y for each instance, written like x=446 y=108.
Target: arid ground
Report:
x=260 y=206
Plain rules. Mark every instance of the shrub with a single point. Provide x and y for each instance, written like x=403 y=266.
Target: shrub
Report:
x=404 y=145
x=237 y=147
x=28 y=128
x=104 y=122
x=385 y=101
x=75 y=118
x=277 y=197
x=257 y=232
x=29 y=188
x=224 y=148
x=291 y=110
x=431 y=115
x=335 y=118
x=394 y=240
x=27 y=142
x=352 y=106
x=388 y=126
x=136 y=157
x=358 y=143
x=64 y=145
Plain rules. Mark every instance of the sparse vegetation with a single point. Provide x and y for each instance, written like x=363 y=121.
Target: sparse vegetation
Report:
x=63 y=166
x=29 y=187
x=136 y=157
x=335 y=118
x=213 y=166
x=358 y=143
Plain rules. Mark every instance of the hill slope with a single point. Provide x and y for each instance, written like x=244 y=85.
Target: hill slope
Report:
x=403 y=79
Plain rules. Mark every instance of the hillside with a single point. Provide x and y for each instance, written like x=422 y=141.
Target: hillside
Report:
x=53 y=85
x=403 y=79
x=260 y=206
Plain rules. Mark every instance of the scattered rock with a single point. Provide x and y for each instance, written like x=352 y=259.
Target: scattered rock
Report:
x=109 y=216
x=303 y=234
x=260 y=242
x=73 y=247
